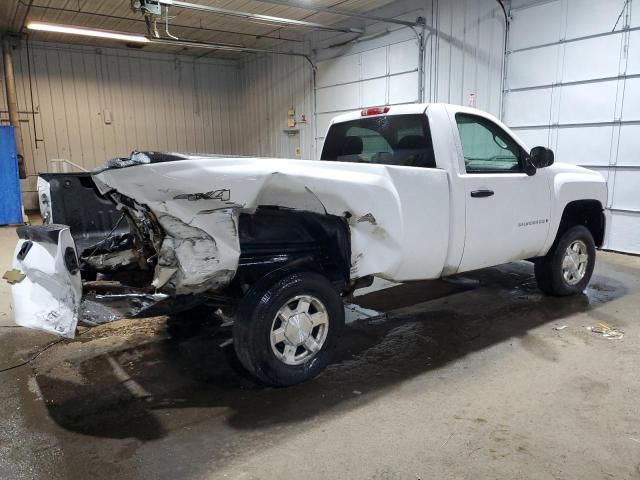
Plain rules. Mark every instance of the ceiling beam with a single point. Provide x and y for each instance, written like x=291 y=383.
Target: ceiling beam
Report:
x=217 y=46
x=345 y=13
x=281 y=21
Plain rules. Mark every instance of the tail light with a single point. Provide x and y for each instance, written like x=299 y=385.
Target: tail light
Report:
x=374 y=111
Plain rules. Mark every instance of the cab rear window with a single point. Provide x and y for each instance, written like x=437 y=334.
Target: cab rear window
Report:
x=389 y=140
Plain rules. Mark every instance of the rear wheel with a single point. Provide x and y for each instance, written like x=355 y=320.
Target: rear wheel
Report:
x=286 y=331
x=567 y=268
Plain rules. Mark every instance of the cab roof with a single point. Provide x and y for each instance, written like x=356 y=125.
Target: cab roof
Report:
x=407 y=109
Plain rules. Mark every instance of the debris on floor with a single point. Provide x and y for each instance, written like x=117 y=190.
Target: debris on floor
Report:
x=606 y=330
x=354 y=312
x=13 y=276
x=561 y=327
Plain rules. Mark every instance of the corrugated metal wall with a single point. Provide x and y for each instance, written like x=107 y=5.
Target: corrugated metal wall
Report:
x=270 y=86
x=573 y=84
x=93 y=104
x=467 y=53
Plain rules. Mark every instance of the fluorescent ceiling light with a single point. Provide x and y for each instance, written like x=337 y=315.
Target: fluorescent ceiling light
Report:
x=87 y=32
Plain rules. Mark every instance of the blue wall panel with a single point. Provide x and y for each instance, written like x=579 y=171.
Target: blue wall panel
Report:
x=10 y=203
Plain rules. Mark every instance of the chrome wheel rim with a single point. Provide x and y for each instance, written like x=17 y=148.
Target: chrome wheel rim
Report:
x=575 y=262
x=299 y=329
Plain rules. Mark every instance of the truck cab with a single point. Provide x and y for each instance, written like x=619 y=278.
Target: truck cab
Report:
x=501 y=207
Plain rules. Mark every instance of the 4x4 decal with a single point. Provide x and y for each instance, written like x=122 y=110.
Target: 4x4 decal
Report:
x=223 y=195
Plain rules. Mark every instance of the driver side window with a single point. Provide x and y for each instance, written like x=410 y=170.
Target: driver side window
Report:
x=486 y=147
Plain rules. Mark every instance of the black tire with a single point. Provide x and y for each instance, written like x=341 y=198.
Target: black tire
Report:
x=548 y=269
x=255 y=319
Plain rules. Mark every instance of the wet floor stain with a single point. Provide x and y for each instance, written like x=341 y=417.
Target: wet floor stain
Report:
x=172 y=379
x=183 y=366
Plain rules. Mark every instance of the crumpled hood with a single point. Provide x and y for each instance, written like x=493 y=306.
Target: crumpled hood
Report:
x=198 y=200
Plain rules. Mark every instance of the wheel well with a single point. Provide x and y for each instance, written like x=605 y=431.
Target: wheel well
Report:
x=276 y=242
x=584 y=212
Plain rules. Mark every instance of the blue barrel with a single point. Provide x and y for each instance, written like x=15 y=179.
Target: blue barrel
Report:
x=10 y=200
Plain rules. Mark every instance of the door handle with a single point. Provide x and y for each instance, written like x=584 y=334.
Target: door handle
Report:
x=481 y=193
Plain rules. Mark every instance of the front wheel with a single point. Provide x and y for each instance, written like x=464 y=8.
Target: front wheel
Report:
x=567 y=267
x=285 y=332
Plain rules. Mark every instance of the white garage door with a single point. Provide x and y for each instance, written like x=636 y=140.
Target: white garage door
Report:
x=573 y=84
x=373 y=75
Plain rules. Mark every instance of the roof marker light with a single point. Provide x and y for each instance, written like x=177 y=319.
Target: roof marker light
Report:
x=374 y=111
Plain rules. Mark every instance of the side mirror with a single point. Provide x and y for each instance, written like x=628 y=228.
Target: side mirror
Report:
x=541 y=157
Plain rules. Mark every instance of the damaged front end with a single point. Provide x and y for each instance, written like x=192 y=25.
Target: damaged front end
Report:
x=99 y=258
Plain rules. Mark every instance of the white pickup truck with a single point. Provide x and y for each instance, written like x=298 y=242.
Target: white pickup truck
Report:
x=402 y=193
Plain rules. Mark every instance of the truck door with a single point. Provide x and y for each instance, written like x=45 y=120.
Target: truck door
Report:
x=507 y=211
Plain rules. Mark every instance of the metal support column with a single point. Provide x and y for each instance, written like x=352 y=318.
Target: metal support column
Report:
x=12 y=103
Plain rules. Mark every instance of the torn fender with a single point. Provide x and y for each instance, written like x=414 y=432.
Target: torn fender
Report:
x=398 y=231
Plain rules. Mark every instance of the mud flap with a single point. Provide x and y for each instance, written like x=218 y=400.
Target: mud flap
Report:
x=47 y=287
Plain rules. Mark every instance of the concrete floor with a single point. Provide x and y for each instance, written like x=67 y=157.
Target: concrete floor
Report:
x=466 y=378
